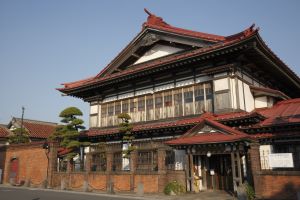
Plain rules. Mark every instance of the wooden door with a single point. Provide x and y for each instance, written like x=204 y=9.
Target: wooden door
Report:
x=219 y=174
x=14 y=168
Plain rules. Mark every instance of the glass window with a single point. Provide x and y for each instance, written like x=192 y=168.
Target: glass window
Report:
x=178 y=109
x=98 y=162
x=125 y=106
x=168 y=99
x=132 y=105
x=117 y=108
x=111 y=109
x=104 y=110
x=188 y=97
x=147 y=160
x=158 y=101
x=141 y=104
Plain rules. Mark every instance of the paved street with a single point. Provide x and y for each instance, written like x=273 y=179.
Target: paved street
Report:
x=10 y=193
x=17 y=193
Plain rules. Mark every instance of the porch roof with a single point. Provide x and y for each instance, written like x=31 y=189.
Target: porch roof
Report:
x=207 y=138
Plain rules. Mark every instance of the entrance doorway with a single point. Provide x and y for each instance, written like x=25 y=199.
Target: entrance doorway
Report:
x=13 y=173
x=213 y=173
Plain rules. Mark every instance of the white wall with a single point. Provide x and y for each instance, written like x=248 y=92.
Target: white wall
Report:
x=241 y=95
x=261 y=102
x=156 y=52
x=248 y=98
x=233 y=94
x=93 y=109
x=221 y=84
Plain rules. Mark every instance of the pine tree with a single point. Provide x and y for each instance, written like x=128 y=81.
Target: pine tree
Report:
x=125 y=128
x=20 y=136
x=68 y=133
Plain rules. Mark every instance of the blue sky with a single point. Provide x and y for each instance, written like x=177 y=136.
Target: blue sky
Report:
x=46 y=43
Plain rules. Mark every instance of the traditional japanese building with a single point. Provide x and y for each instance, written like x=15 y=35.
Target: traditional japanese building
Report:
x=209 y=111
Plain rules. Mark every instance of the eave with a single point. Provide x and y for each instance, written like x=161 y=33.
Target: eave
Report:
x=164 y=63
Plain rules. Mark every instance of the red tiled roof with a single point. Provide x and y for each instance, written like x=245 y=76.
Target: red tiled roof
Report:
x=230 y=134
x=284 y=112
x=4 y=132
x=275 y=134
x=223 y=42
x=153 y=125
x=205 y=138
x=39 y=130
x=158 y=23
x=36 y=129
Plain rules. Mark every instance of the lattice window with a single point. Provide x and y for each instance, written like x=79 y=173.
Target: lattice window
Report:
x=178 y=109
x=62 y=165
x=98 y=162
x=147 y=160
x=125 y=106
x=117 y=161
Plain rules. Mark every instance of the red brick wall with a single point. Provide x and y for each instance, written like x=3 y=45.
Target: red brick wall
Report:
x=276 y=185
x=76 y=181
x=178 y=176
x=97 y=181
x=121 y=183
x=33 y=163
x=150 y=183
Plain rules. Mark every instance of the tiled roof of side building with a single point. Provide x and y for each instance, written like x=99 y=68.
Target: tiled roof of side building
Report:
x=284 y=112
x=38 y=129
x=4 y=131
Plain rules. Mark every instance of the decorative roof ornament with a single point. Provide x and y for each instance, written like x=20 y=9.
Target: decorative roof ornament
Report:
x=154 y=20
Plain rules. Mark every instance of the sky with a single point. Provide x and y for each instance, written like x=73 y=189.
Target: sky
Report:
x=46 y=43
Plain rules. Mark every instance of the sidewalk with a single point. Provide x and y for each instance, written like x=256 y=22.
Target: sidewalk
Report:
x=209 y=195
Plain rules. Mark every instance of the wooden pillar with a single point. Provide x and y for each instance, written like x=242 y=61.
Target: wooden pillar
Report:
x=88 y=162
x=109 y=163
x=52 y=163
x=254 y=157
x=133 y=165
x=238 y=158
x=161 y=156
x=191 y=169
x=233 y=166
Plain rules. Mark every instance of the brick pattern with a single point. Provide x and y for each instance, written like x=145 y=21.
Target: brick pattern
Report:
x=121 y=183
x=33 y=163
x=97 y=181
x=150 y=183
x=278 y=186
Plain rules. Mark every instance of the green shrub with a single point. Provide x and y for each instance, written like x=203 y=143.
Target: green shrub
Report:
x=174 y=187
x=249 y=191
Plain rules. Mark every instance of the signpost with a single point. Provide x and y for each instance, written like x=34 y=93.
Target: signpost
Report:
x=282 y=160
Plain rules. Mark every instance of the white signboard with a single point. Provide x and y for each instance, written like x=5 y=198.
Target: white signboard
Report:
x=281 y=160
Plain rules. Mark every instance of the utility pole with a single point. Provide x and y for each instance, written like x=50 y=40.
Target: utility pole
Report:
x=23 y=109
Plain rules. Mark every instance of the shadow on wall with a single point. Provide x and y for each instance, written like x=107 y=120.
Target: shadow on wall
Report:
x=289 y=192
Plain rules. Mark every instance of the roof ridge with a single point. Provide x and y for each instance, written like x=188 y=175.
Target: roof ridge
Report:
x=36 y=121
x=158 y=22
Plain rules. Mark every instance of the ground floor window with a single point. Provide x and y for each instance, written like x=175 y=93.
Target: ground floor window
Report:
x=175 y=160
x=147 y=160
x=98 y=162
x=62 y=165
